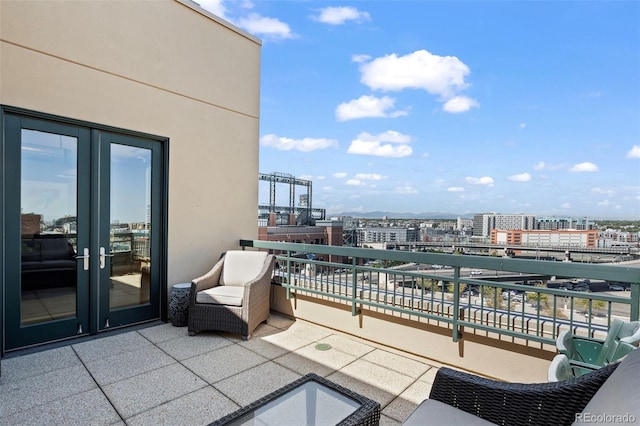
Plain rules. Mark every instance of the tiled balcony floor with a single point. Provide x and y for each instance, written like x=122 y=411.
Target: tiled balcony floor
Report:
x=159 y=375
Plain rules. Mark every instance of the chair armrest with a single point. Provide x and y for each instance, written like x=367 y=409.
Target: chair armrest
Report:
x=517 y=403
x=210 y=279
x=263 y=278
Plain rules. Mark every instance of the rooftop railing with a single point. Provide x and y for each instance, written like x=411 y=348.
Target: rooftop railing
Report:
x=523 y=299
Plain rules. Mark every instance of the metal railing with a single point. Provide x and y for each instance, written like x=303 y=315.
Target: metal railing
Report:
x=491 y=295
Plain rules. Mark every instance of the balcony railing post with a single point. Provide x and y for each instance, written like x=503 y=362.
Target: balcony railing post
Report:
x=456 y=302
x=354 y=287
x=635 y=302
x=288 y=288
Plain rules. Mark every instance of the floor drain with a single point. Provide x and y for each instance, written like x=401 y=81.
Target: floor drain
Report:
x=323 y=347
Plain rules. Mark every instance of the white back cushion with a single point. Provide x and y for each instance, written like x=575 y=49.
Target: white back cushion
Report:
x=242 y=266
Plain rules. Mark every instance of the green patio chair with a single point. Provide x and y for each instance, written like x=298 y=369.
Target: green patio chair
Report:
x=586 y=354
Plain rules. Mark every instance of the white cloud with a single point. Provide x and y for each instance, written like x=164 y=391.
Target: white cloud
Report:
x=355 y=182
x=438 y=75
x=406 y=190
x=340 y=15
x=304 y=145
x=368 y=106
x=443 y=76
x=459 y=104
x=634 y=152
x=266 y=27
x=604 y=203
x=305 y=177
x=522 y=125
x=214 y=6
x=368 y=144
x=522 y=177
x=360 y=58
x=455 y=189
x=368 y=176
x=606 y=191
x=544 y=166
x=485 y=180
x=339 y=175
x=584 y=167
x=566 y=206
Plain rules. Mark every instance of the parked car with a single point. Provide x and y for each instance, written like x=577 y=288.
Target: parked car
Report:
x=476 y=272
x=616 y=287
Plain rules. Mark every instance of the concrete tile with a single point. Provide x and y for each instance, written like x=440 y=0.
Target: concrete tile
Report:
x=401 y=407
x=189 y=346
x=388 y=421
x=197 y=408
x=429 y=376
x=222 y=363
x=162 y=333
x=263 y=330
x=298 y=335
x=302 y=365
x=251 y=385
x=280 y=321
x=151 y=389
x=24 y=394
x=24 y=366
x=263 y=347
x=103 y=347
x=128 y=364
x=310 y=360
x=347 y=345
x=397 y=363
x=87 y=408
x=372 y=380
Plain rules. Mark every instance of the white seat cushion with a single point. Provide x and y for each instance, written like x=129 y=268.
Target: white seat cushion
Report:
x=241 y=266
x=221 y=295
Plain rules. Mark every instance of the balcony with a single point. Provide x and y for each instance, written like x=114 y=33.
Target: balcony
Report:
x=160 y=375
x=389 y=318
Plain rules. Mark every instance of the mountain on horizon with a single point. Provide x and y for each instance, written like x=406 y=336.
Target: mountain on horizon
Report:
x=397 y=215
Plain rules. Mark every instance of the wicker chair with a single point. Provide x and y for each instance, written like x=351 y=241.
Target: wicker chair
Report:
x=234 y=295
x=482 y=401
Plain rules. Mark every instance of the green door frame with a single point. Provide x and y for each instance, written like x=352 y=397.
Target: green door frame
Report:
x=160 y=158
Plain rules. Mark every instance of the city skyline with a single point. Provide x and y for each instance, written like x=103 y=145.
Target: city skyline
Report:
x=462 y=107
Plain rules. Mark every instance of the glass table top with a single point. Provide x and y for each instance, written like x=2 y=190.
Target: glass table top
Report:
x=310 y=404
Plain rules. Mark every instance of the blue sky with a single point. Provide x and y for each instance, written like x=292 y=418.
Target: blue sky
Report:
x=458 y=106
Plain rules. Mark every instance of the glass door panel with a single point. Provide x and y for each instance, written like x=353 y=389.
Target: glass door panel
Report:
x=130 y=226
x=48 y=222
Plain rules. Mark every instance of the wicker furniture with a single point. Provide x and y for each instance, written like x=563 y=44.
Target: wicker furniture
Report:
x=611 y=392
x=234 y=295
x=310 y=400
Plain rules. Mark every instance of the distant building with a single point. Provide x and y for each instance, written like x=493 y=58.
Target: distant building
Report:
x=464 y=224
x=556 y=223
x=325 y=232
x=484 y=223
x=388 y=235
x=545 y=238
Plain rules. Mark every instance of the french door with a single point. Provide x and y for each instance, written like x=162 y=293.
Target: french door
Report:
x=83 y=247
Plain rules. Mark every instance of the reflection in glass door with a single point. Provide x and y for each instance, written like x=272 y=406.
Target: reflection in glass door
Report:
x=130 y=226
x=48 y=221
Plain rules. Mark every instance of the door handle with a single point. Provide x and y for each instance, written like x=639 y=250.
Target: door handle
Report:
x=103 y=257
x=85 y=259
